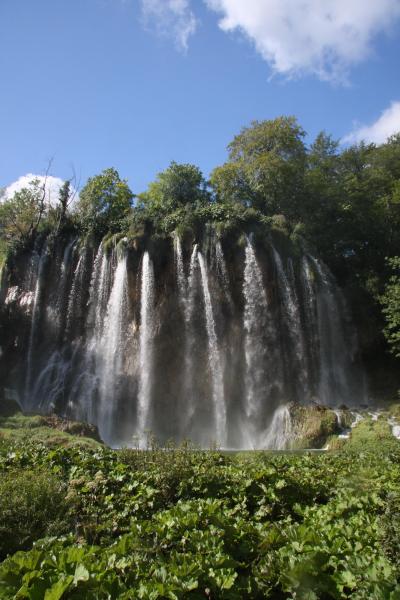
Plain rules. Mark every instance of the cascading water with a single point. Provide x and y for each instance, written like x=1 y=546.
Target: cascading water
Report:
x=111 y=349
x=214 y=359
x=290 y=303
x=277 y=436
x=60 y=298
x=187 y=294
x=263 y=368
x=222 y=272
x=255 y=314
x=336 y=373
x=100 y=287
x=308 y=281
x=35 y=324
x=180 y=273
x=215 y=351
x=146 y=344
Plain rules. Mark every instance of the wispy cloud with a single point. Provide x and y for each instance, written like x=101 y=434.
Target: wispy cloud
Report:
x=53 y=185
x=319 y=37
x=386 y=125
x=170 y=18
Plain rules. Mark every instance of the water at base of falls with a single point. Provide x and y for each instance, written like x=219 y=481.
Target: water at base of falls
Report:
x=200 y=343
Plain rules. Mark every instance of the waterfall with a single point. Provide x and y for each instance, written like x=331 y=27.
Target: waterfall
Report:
x=62 y=286
x=311 y=318
x=237 y=345
x=111 y=348
x=99 y=291
x=180 y=273
x=146 y=344
x=76 y=297
x=254 y=322
x=35 y=326
x=277 y=437
x=222 y=272
x=292 y=313
x=214 y=359
x=187 y=297
x=335 y=386
x=50 y=384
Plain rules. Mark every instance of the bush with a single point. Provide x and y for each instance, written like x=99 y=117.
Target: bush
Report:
x=32 y=505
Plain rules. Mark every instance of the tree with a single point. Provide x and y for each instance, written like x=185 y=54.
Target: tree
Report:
x=104 y=203
x=21 y=215
x=266 y=168
x=390 y=301
x=179 y=185
x=172 y=200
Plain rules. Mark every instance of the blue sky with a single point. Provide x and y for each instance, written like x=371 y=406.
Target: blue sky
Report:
x=135 y=84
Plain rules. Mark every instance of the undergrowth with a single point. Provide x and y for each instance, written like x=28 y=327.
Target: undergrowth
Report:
x=176 y=522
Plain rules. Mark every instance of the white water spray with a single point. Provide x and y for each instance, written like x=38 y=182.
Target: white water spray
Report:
x=214 y=359
x=277 y=436
x=291 y=307
x=255 y=311
x=111 y=348
x=146 y=344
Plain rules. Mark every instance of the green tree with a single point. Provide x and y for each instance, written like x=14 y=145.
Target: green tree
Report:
x=104 y=203
x=266 y=168
x=390 y=301
x=321 y=206
x=179 y=185
x=22 y=215
x=172 y=199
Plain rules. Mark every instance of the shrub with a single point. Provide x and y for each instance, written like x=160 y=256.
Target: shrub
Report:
x=32 y=505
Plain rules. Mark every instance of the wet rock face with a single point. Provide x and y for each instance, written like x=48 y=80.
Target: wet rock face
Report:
x=207 y=341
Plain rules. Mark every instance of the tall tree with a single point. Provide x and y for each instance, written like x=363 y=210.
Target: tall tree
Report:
x=390 y=301
x=104 y=203
x=21 y=215
x=266 y=168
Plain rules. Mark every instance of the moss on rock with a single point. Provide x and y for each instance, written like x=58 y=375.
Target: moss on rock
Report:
x=312 y=426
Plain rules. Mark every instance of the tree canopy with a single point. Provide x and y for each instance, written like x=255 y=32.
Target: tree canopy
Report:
x=266 y=167
x=104 y=203
x=390 y=300
x=21 y=215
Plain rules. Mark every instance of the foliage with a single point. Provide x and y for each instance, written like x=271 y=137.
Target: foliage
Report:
x=171 y=200
x=266 y=167
x=176 y=522
x=32 y=505
x=104 y=203
x=390 y=301
x=21 y=215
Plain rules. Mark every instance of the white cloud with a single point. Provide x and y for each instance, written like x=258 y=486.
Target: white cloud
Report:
x=385 y=126
x=319 y=37
x=170 y=18
x=53 y=185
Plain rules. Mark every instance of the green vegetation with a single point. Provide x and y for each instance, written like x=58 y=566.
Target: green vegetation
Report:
x=313 y=425
x=104 y=204
x=391 y=307
x=51 y=431
x=180 y=523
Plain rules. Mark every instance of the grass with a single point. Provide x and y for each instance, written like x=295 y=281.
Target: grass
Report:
x=32 y=428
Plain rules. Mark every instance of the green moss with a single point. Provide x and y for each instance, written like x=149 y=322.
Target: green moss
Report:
x=312 y=425
x=35 y=428
x=370 y=433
